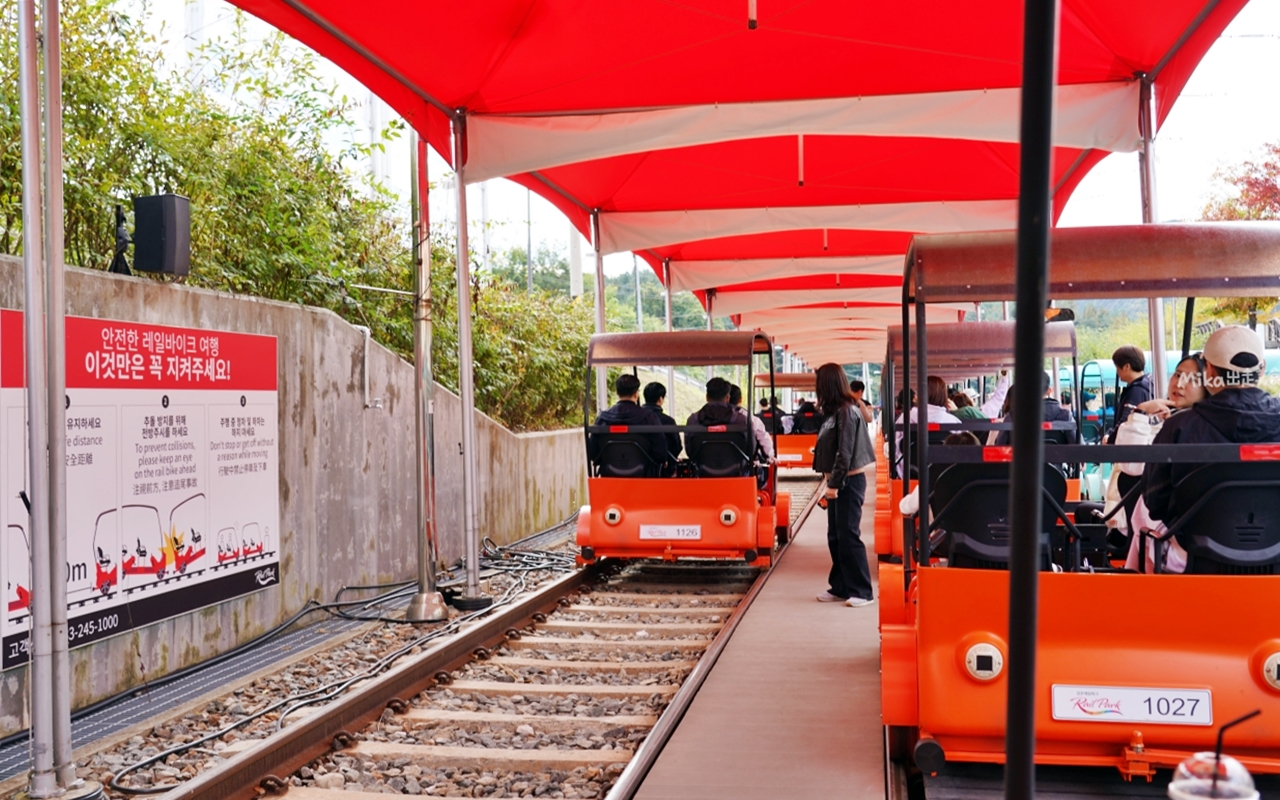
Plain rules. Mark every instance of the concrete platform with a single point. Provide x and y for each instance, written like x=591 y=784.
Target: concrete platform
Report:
x=792 y=708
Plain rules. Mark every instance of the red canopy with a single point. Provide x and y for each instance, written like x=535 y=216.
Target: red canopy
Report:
x=831 y=131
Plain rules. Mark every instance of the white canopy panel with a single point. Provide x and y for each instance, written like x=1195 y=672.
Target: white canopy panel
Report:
x=1087 y=116
x=622 y=231
x=687 y=276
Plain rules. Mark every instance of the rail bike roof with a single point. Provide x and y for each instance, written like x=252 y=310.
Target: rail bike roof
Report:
x=1185 y=260
x=772 y=161
x=676 y=348
x=804 y=381
x=969 y=349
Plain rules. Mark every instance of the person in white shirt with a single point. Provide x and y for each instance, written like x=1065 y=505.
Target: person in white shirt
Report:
x=937 y=409
x=763 y=439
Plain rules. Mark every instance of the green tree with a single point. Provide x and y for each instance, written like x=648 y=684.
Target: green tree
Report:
x=267 y=151
x=1253 y=194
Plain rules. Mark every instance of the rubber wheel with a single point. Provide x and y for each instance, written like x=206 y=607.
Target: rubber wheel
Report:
x=783 y=534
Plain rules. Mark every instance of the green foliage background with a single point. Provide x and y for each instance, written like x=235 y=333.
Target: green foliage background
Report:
x=268 y=152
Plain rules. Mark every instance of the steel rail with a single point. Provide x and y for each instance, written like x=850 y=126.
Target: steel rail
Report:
x=266 y=767
x=646 y=755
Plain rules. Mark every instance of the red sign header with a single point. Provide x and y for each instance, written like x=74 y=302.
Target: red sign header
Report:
x=110 y=354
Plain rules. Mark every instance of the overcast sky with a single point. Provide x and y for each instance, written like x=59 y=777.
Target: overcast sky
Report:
x=1228 y=110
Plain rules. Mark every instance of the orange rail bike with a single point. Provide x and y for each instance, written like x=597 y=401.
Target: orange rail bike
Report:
x=794 y=449
x=1134 y=671
x=721 y=502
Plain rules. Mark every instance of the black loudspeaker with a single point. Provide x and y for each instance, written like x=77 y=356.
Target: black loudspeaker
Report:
x=162 y=234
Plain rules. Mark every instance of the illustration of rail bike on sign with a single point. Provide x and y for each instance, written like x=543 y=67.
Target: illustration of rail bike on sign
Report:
x=150 y=551
x=17 y=550
x=248 y=543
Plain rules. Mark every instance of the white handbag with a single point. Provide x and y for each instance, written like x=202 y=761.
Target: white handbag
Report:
x=1137 y=429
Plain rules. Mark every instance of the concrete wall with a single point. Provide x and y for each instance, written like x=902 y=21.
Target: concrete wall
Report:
x=346 y=474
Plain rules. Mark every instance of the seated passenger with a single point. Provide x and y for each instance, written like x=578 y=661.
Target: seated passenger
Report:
x=910 y=505
x=628 y=412
x=965 y=410
x=1235 y=411
x=1053 y=412
x=1186 y=388
x=937 y=407
x=655 y=396
x=718 y=411
x=763 y=440
x=807 y=418
x=771 y=416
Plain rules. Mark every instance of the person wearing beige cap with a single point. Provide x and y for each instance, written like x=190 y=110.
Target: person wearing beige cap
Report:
x=1235 y=410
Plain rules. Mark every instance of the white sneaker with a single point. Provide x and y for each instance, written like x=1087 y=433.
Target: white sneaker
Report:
x=858 y=602
x=828 y=597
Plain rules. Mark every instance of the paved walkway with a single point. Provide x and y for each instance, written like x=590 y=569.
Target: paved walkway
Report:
x=792 y=708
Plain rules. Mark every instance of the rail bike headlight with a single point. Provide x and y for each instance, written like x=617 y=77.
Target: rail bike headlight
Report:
x=613 y=515
x=984 y=661
x=728 y=516
x=1271 y=670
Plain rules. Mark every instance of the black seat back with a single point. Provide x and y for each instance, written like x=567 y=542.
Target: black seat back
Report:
x=971 y=503
x=719 y=454
x=1228 y=519
x=806 y=422
x=772 y=419
x=623 y=455
x=936 y=439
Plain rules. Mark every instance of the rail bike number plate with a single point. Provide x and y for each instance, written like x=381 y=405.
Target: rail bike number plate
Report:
x=1132 y=704
x=789 y=456
x=677 y=532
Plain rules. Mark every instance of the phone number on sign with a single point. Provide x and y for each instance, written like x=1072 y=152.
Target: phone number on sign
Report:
x=92 y=627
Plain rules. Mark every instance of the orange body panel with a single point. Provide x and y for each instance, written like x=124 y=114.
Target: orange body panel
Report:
x=893 y=599
x=783 y=506
x=895 y=519
x=1073 y=490
x=898 y=693
x=796 y=449
x=1179 y=632
x=674 y=501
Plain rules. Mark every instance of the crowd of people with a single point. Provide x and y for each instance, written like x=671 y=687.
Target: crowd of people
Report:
x=1213 y=397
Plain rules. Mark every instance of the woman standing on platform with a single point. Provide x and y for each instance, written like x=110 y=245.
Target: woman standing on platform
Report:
x=844 y=455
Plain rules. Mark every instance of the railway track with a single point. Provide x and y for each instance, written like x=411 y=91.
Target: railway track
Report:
x=570 y=691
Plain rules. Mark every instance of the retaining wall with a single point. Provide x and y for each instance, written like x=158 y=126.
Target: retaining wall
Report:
x=346 y=474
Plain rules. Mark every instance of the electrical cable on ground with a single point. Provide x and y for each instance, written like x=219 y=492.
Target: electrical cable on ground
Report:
x=515 y=561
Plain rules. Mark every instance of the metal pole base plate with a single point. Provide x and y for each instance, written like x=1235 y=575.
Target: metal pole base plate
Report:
x=427 y=607
x=87 y=790
x=472 y=603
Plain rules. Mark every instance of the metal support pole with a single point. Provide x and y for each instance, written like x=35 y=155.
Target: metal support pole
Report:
x=635 y=269
x=1147 y=172
x=428 y=604
x=43 y=782
x=709 y=327
x=1187 y=321
x=56 y=372
x=602 y=394
x=671 y=371
x=471 y=599
x=1035 y=203
x=528 y=232
x=575 y=262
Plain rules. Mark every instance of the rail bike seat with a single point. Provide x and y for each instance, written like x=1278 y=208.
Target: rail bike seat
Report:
x=806 y=422
x=623 y=455
x=971 y=503
x=1228 y=519
x=718 y=454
